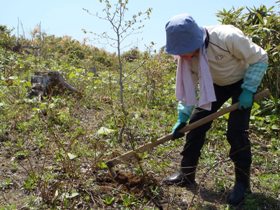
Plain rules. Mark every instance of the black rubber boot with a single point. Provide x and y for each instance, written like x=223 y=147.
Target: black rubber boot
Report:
x=181 y=179
x=241 y=186
x=185 y=177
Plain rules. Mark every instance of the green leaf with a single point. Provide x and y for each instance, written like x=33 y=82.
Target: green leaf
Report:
x=105 y=131
x=71 y=156
x=102 y=165
x=108 y=200
x=72 y=75
x=275 y=127
x=70 y=195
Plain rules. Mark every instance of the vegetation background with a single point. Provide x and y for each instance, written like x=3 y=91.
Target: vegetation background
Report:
x=53 y=151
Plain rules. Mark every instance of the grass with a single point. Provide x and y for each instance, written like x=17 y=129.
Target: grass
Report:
x=53 y=153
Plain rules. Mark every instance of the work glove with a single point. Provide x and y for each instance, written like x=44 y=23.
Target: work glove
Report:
x=184 y=113
x=245 y=99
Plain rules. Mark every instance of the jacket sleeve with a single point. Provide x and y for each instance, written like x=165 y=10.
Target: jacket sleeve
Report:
x=253 y=55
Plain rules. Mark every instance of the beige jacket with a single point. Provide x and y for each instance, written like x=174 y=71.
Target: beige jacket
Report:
x=230 y=53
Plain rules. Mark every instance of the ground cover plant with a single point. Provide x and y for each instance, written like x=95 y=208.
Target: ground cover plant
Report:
x=53 y=150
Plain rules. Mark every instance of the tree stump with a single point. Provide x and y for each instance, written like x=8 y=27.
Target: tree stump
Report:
x=49 y=83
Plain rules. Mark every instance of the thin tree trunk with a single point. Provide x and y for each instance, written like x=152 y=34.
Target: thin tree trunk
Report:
x=121 y=92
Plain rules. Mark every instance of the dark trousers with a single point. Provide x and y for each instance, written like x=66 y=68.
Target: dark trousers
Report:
x=237 y=130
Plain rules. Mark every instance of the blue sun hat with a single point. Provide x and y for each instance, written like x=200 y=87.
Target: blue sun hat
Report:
x=183 y=35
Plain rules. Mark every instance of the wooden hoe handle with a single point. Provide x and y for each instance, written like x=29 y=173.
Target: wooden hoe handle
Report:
x=133 y=153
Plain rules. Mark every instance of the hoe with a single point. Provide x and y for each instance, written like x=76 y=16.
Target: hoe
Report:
x=133 y=154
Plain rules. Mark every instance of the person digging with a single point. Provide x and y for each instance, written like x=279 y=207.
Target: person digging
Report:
x=214 y=64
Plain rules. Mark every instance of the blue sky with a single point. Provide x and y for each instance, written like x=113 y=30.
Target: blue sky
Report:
x=66 y=17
